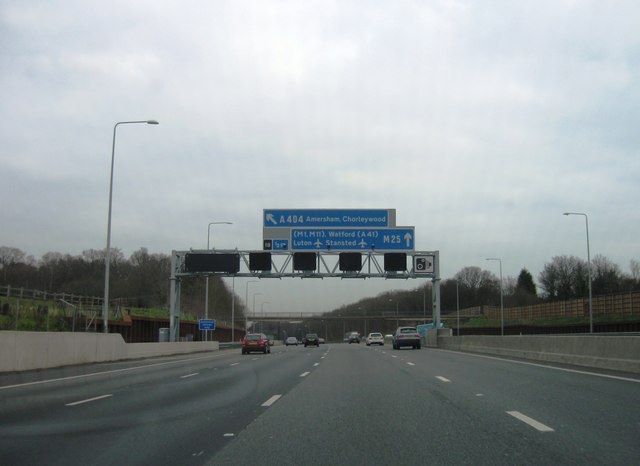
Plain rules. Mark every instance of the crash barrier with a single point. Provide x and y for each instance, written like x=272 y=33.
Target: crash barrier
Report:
x=613 y=352
x=21 y=351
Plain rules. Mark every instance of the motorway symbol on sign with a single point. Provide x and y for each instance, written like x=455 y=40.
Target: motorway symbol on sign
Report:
x=207 y=324
x=309 y=218
x=353 y=239
x=280 y=244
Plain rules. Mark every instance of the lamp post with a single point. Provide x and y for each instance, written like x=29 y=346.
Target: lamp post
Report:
x=458 y=307
x=501 y=295
x=397 y=320
x=254 y=304
x=246 y=303
x=105 y=301
x=262 y=313
x=586 y=222
x=206 y=286
x=424 y=305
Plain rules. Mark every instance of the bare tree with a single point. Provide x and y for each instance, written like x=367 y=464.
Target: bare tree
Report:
x=478 y=286
x=564 y=277
x=607 y=276
x=8 y=257
x=634 y=265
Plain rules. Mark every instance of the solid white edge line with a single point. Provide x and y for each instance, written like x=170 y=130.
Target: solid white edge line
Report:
x=575 y=371
x=532 y=422
x=75 y=403
x=271 y=400
x=114 y=371
x=304 y=374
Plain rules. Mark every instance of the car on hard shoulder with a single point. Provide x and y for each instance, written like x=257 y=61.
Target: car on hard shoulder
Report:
x=291 y=341
x=311 y=339
x=255 y=342
x=375 y=338
x=406 y=336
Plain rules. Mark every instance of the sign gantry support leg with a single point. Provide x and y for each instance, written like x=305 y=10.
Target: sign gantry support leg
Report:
x=174 y=297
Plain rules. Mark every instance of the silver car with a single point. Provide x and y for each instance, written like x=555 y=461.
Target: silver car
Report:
x=375 y=338
x=406 y=336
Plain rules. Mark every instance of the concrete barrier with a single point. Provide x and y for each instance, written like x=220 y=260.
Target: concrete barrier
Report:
x=21 y=351
x=621 y=353
x=431 y=339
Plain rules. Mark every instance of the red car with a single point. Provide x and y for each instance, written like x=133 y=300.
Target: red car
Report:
x=255 y=342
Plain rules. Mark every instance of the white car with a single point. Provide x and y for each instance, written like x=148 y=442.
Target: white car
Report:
x=291 y=341
x=375 y=338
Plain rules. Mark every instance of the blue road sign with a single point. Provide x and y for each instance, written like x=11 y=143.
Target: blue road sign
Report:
x=309 y=218
x=207 y=324
x=280 y=245
x=353 y=239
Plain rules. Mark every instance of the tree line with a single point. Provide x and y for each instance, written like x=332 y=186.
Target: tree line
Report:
x=143 y=281
x=562 y=278
x=140 y=281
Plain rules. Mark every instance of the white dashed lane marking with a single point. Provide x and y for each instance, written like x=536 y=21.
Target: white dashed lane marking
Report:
x=532 y=422
x=271 y=400
x=88 y=400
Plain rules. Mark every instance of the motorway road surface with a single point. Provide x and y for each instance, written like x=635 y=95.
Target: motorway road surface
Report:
x=337 y=404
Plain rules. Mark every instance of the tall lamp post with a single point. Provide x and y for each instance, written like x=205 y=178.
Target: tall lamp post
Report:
x=254 y=304
x=206 y=286
x=586 y=222
x=397 y=320
x=262 y=313
x=246 y=303
x=105 y=300
x=458 y=307
x=501 y=295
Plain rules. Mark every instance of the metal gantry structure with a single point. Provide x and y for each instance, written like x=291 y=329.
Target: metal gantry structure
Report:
x=282 y=264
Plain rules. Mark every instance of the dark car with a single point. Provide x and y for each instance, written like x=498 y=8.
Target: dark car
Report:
x=354 y=338
x=255 y=342
x=406 y=336
x=311 y=340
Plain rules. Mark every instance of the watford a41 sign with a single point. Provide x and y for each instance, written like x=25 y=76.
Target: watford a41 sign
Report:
x=345 y=230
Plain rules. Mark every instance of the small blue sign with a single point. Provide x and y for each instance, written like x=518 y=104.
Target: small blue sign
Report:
x=353 y=239
x=306 y=218
x=207 y=324
x=280 y=244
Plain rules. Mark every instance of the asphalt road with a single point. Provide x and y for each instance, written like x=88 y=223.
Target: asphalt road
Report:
x=337 y=404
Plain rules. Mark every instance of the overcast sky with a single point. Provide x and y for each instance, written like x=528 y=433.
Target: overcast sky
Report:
x=480 y=122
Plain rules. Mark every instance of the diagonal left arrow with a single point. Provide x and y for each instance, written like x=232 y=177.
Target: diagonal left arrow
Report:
x=271 y=219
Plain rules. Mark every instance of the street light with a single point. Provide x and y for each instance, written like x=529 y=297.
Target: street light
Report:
x=586 y=222
x=501 y=299
x=105 y=300
x=206 y=286
x=397 y=320
x=254 y=307
x=262 y=313
x=458 y=307
x=246 y=303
